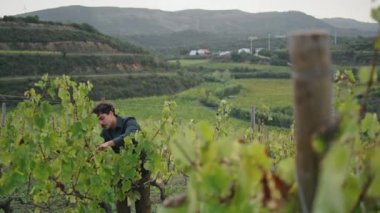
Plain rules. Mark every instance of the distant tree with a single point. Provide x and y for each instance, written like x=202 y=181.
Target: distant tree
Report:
x=236 y=57
x=27 y=19
x=178 y=64
x=254 y=59
x=85 y=27
x=265 y=53
x=277 y=61
x=184 y=51
x=9 y=18
x=32 y=19
x=226 y=75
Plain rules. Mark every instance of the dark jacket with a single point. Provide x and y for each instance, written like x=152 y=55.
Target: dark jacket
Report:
x=124 y=127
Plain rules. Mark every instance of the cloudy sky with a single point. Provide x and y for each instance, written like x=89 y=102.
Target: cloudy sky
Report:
x=355 y=9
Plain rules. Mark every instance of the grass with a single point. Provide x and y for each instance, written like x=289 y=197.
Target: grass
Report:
x=264 y=92
x=147 y=109
x=193 y=93
x=29 y=52
x=258 y=92
x=205 y=63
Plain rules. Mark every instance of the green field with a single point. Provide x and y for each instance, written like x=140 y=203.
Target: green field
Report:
x=256 y=92
x=264 y=92
x=205 y=63
x=29 y=52
x=46 y=52
x=148 y=109
x=259 y=92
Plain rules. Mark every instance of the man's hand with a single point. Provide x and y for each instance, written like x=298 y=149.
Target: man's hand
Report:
x=105 y=145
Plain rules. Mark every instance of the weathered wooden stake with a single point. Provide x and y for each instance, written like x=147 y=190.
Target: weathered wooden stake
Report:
x=310 y=55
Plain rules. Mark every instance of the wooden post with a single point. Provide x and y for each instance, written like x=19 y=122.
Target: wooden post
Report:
x=3 y=114
x=309 y=52
x=253 y=117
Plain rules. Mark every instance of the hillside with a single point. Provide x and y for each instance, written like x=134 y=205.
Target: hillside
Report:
x=351 y=24
x=169 y=33
x=135 y=21
x=56 y=48
x=32 y=34
x=30 y=48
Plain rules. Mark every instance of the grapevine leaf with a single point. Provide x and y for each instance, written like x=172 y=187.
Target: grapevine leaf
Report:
x=365 y=75
x=330 y=196
x=39 y=120
x=370 y=125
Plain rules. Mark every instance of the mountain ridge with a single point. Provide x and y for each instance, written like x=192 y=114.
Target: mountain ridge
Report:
x=169 y=32
x=349 y=23
x=121 y=22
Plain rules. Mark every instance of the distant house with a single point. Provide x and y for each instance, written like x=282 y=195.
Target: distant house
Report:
x=244 y=50
x=200 y=52
x=225 y=53
x=204 y=52
x=193 y=53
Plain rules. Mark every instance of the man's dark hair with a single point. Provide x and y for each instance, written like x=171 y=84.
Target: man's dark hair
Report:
x=104 y=108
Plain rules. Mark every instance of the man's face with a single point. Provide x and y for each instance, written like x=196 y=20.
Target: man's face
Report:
x=106 y=120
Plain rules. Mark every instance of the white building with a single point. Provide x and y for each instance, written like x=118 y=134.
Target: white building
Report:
x=193 y=53
x=203 y=52
x=244 y=50
x=224 y=53
x=200 y=52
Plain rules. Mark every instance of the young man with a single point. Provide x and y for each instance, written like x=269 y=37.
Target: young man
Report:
x=115 y=129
